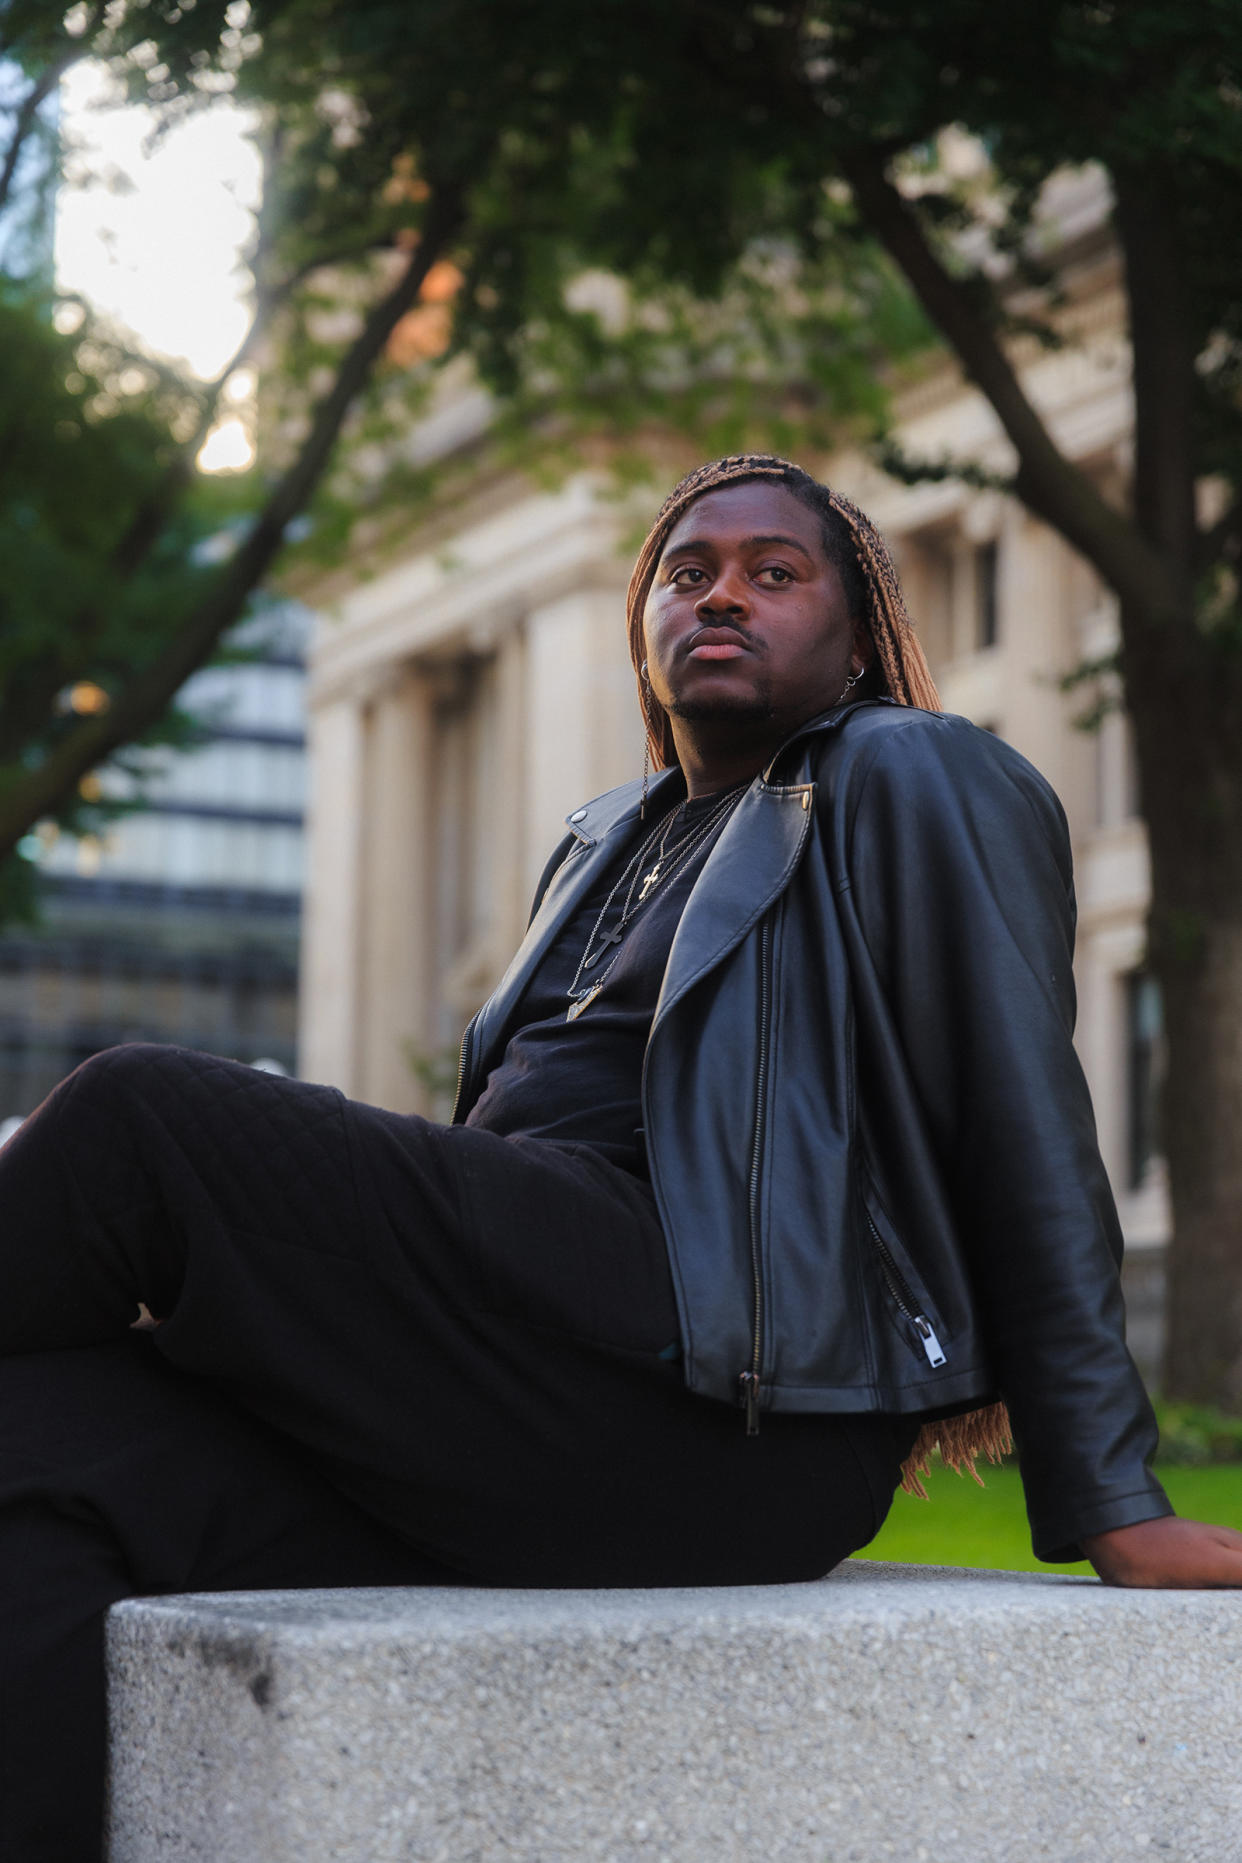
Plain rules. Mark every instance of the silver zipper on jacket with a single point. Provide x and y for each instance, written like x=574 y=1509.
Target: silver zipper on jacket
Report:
x=899 y=1288
x=461 y=1066
x=750 y=1379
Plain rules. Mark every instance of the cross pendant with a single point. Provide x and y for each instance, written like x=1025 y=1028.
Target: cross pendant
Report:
x=649 y=880
x=613 y=937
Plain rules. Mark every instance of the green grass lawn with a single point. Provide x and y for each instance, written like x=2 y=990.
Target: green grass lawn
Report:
x=965 y=1525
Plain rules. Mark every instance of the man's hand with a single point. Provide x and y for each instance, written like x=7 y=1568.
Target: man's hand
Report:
x=1168 y=1554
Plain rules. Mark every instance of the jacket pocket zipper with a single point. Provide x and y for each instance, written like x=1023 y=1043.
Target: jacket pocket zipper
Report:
x=750 y=1379
x=899 y=1288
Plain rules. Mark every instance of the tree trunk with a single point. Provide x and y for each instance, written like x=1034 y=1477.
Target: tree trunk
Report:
x=1184 y=699
x=1203 y=1133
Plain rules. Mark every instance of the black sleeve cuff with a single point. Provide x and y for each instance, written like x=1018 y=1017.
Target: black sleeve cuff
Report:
x=1057 y=1538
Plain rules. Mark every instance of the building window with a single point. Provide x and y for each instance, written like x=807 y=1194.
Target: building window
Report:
x=986 y=614
x=1144 y=1074
x=1116 y=771
x=927 y=575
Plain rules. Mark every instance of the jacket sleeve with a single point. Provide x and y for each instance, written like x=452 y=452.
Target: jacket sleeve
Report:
x=958 y=857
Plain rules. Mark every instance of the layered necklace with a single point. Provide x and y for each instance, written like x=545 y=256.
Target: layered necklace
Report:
x=671 y=856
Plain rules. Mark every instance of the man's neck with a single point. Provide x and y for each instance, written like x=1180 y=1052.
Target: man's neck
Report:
x=717 y=754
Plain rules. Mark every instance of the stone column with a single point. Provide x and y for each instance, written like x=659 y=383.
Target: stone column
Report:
x=395 y=886
x=331 y=958
x=511 y=890
x=584 y=722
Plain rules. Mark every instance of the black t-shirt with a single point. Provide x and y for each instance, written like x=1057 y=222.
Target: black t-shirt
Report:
x=580 y=1082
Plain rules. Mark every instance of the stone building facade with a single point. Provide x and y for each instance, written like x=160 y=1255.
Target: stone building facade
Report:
x=476 y=687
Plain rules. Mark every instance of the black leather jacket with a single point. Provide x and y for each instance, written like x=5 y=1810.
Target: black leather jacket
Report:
x=869 y=1134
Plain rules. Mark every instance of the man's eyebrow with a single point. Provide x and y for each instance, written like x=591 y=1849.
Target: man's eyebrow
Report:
x=790 y=543
x=748 y=543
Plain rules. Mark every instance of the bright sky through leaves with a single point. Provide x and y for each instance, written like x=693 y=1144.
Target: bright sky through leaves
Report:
x=152 y=235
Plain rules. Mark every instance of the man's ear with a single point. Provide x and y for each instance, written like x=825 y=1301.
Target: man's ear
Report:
x=862 y=651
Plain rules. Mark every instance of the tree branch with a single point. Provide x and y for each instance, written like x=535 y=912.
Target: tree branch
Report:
x=23 y=123
x=1046 y=481
x=43 y=789
x=38 y=93
x=145 y=526
x=28 y=702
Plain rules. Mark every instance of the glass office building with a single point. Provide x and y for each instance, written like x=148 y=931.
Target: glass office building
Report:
x=181 y=922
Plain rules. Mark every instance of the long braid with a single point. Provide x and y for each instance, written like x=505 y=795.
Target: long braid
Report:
x=861 y=556
x=870 y=578
x=906 y=672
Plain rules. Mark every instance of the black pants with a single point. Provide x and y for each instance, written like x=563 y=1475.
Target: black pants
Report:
x=390 y=1352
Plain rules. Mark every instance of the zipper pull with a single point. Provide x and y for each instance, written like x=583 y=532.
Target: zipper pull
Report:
x=749 y=1382
x=931 y=1345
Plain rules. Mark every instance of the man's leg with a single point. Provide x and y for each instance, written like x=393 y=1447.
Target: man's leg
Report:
x=142 y=1155
x=119 y=1476
x=474 y=1337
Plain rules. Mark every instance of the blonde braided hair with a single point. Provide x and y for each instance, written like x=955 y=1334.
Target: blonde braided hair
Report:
x=856 y=549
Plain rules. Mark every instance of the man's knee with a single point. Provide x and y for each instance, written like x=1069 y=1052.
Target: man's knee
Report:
x=113 y=1078
x=131 y=1060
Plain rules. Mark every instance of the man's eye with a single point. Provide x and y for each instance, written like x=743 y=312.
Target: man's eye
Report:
x=779 y=571
x=684 y=572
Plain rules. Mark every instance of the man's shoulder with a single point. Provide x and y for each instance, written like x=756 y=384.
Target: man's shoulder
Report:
x=936 y=767
x=900 y=738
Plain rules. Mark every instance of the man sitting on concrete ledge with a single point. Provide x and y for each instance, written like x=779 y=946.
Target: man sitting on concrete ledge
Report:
x=771 y=1164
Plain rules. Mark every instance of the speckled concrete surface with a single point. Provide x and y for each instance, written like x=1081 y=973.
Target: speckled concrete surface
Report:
x=887 y=1712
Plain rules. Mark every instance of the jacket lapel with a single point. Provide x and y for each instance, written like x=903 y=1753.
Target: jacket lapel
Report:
x=750 y=865
x=599 y=829
x=747 y=869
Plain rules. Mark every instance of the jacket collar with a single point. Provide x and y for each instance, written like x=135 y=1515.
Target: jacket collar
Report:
x=617 y=808
x=819 y=726
x=749 y=866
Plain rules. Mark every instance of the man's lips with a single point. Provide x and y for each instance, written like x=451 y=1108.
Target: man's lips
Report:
x=713 y=643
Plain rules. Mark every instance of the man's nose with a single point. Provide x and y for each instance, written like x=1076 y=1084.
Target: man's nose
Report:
x=727 y=595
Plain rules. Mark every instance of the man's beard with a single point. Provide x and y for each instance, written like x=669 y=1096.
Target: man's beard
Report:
x=754 y=709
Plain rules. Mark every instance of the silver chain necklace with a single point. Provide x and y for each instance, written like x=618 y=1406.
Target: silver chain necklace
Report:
x=669 y=862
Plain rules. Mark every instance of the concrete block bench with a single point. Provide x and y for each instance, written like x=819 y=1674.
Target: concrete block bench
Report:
x=886 y=1712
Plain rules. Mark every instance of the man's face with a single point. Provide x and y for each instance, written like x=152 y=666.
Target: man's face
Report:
x=746 y=618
